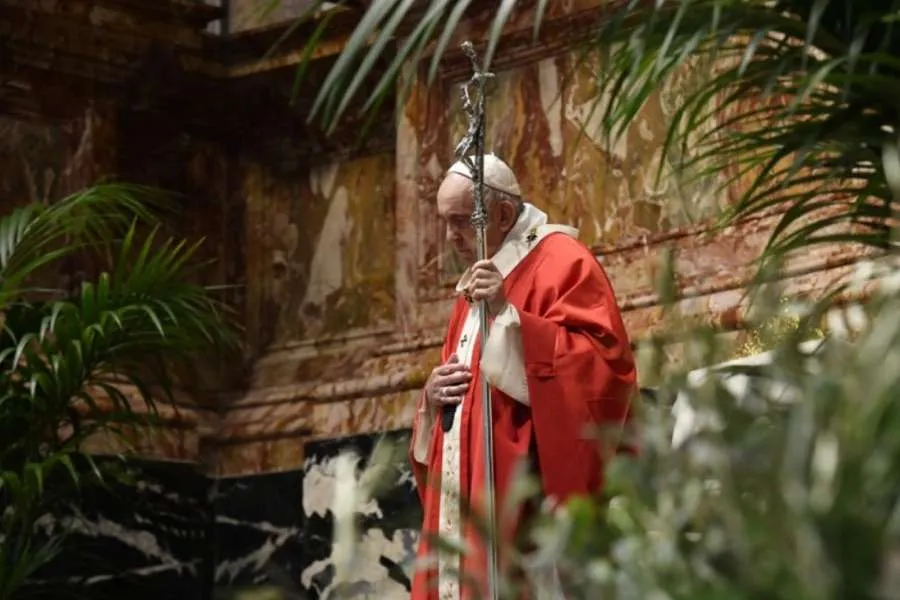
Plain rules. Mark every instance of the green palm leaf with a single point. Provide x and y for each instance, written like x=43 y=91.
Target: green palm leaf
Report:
x=819 y=132
x=96 y=360
x=800 y=100
x=381 y=32
x=36 y=235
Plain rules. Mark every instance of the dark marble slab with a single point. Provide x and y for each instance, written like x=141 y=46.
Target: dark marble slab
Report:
x=257 y=535
x=177 y=534
x=144 y=539
x=276 y=530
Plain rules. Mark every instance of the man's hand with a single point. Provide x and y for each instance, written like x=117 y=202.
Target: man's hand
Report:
x=448 y=383
x=486 y=283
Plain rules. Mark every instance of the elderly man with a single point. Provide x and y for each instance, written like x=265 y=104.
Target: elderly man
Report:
x=557 y=358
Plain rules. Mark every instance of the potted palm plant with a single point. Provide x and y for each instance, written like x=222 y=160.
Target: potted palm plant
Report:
x=88 y=359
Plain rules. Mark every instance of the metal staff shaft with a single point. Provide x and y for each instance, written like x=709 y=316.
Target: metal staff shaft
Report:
x=475 y=137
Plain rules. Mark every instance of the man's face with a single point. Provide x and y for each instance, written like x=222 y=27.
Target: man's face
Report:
x=455 y=202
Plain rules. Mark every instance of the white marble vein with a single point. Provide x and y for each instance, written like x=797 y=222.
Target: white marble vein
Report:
x=372 y=579
x=319 y=488
x=144 y=542
x=228 y=570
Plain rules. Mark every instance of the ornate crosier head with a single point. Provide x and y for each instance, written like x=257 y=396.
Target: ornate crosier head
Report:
x=474 y=111
x=480 y=199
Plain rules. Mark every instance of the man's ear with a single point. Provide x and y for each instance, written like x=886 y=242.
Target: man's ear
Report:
x=508 y=215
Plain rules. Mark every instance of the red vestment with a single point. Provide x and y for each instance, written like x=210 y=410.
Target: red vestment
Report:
x=580 y=372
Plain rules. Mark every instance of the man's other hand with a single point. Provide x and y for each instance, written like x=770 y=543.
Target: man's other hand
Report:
x=486 y=283
x=448 y=383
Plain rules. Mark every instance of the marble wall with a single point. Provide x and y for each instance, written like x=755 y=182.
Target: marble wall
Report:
x=31 y=161
x=40 y=162
x=319 y=249
x=545 y=120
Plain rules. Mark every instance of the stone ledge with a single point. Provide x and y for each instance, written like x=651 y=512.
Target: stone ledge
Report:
x=257 y=457
x=720 y=302
x=156 y=443
x=729 y=310
x=340 y=342
x=165 y=414
x=697 y=231
x=254 y=438
x=707 y=284
x=362 y=414
x=326 y=392
x=707 y=260
x=382 y=343
x=171 y=432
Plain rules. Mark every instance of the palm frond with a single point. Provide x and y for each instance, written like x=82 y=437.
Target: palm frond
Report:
x=800 y=100
x=395 y=27
x=93 y=360
x=37 y=235
x=146 y=309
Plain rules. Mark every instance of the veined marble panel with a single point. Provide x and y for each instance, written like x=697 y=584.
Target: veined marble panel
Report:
x=32 y=158
x=180 y=534
x=276 y=529
x=319 y=249
x=257 y=533
x=272 y=437
x=545 y=121
x=388 y=526
x=147 y=541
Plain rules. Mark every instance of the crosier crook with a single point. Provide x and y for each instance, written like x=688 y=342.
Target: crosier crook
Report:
x=475 y=113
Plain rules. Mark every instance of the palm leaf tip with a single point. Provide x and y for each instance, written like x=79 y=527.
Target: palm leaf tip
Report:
x=795 y=99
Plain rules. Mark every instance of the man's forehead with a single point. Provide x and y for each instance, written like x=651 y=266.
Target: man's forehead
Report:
x=455 y=185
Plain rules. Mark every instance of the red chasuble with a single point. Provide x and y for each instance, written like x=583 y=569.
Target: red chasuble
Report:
x=578 y=370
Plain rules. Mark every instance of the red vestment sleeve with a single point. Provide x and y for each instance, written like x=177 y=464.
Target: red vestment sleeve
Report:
x=579 y=366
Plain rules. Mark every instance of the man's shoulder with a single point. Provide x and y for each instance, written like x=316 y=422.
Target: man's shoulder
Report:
x=559 y=246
